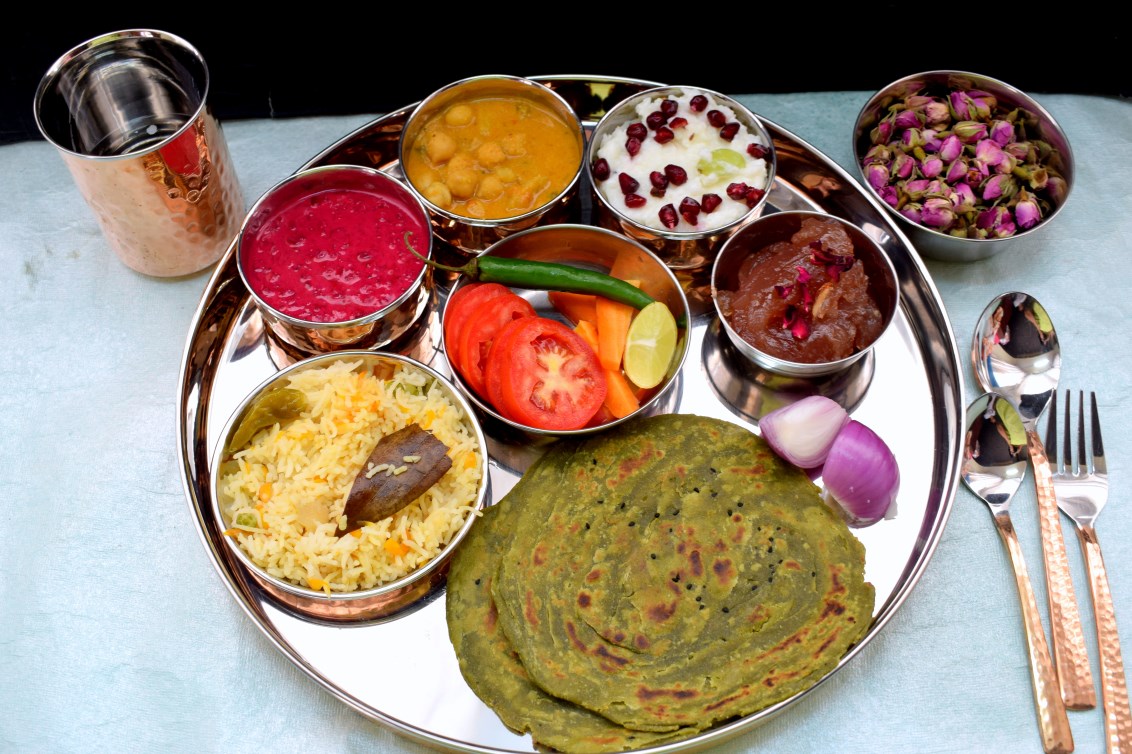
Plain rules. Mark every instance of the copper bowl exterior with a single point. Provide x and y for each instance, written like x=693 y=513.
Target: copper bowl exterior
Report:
x=471 y=235
x=937 y=244
x=684 y=250
x=365 y=604
x=371 y=331
x=780 y=226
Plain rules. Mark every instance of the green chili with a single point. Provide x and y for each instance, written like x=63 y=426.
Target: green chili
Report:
x=545 y=276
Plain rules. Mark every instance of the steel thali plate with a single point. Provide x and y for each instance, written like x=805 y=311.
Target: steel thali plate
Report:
x=910 y=392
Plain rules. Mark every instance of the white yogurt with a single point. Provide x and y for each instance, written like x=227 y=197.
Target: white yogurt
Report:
x=693 y=148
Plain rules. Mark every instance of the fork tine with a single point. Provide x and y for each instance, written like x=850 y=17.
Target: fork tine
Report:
x=1098 y=445
x=1067 y=444
x=1051 y=436
x=1082 y=466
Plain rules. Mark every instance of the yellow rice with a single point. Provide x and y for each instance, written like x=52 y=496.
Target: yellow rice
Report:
x=292 y=481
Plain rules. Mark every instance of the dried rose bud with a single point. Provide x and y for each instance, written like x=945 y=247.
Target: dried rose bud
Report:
x=876 y=174
x=952 y=148
x=1027 y=213
x=936 y=113
x=963 y=197
x=882 y=133
x=890 y=196
x=956 y=171
x=970 y=131
x=879 y=153
x=960 y=104
x=907 y=119
x=1002 y=132
x=988 y=152
x=917 y=188
x=1057 y=188
x=999 y=187
x=903 y=166
x=931 y=167
x=912 y=138
x=937 y=213
x=911 y=210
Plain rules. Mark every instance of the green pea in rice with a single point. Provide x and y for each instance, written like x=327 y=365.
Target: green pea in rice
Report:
x=285 y=493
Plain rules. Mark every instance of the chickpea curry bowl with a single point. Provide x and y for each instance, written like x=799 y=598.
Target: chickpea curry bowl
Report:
x=490 y=155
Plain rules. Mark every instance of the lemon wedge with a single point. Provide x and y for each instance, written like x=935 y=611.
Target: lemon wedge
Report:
x=650 y=345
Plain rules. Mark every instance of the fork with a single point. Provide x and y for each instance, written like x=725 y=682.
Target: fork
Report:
x=1082 y=491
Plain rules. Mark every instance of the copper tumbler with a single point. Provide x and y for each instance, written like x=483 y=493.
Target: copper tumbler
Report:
x=128 y=113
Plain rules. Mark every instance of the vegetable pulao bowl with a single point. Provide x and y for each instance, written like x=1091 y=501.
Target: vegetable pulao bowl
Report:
x=290 y=458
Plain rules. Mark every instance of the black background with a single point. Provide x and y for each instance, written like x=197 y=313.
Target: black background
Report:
x=354 y=59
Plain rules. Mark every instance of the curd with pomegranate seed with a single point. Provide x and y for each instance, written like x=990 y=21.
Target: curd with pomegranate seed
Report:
x=684 y=164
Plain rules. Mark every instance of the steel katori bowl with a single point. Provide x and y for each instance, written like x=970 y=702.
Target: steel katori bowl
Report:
x=374 y=329
x=363 y=604
x=467 y=232
x=599 y=249
x=665 y=144
x=1034 y=140
x=751 y=245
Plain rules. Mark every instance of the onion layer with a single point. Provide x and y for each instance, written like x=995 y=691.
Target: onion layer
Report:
x=803 y=432
x=861 y=475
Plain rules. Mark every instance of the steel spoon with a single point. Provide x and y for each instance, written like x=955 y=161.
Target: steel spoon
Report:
x=1016 y=354
x=995 y=456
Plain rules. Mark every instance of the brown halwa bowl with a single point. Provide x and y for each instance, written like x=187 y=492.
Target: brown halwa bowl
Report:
x=668 y=142
x=482 y=185
x=753 y=241
x=372 y=329
x=1034 y=133
x=364 y=603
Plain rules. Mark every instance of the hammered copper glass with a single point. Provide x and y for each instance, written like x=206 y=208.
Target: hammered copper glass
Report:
x=128 y=113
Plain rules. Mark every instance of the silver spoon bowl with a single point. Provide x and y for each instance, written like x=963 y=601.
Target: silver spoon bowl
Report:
x=995 y=457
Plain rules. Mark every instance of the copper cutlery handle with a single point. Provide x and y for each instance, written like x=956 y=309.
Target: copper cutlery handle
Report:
x=1067 y=636
x=1114 y=685
x=1053 y=722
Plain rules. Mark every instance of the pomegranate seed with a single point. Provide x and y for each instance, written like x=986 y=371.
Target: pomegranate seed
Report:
x=676 y=174
x=738 y=191
x=600 y=169
x=710 y=202
x=628 y=183
x=728 y=131
x=637 y=131
x=664 y=135
x=698 y=103
x=753 y=196
x=658 y=179
x=632 y=146
x=657 y=192
x=677 y=122
x=656 y=119
x=716 y=118
x=668 y=216
x=669 y=107
x=758 y=151
x=688 y=205
x=635 y=201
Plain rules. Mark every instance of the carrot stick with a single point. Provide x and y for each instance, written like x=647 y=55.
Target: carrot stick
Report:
x=588 y=331
x=613 y=320
x=576 y=307
x=619 y=397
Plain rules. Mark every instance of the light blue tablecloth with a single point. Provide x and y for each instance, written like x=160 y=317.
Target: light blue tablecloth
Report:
x=116 y=634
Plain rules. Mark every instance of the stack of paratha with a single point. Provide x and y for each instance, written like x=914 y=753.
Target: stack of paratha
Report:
x=639 y=586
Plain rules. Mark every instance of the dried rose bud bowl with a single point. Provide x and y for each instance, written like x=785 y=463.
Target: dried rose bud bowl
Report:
x=952 y=147
x=680 y=245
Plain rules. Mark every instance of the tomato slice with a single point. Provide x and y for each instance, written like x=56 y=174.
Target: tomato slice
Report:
x=550 y=377
x=479 y=329
x=493 y=368
x=460 y=303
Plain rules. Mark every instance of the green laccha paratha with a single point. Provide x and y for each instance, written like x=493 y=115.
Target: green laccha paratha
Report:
x=666 y=575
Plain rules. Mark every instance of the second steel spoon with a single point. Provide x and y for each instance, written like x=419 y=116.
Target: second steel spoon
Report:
x=994 y=464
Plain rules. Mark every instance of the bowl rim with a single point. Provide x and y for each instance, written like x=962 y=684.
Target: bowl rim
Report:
x=574 y=122
x=661 y=390
x=629 y=103
x=775 y=364
x=397 y=186
x=979 y=79
x=380 y=590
